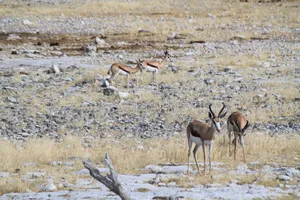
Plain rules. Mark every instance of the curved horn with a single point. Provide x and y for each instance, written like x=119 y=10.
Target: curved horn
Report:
x=214 y=116
x=224 y=106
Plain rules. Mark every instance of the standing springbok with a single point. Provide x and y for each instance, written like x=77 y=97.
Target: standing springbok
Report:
x=201 y=133
x=154 y=66
x=118 y=68
x=237 y=123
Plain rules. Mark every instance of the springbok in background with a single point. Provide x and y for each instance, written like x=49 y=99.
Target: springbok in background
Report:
x=237 y=123
x=118 y=68
x=201 y=133
x=154 y=66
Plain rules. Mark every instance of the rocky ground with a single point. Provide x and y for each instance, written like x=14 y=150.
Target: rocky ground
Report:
x=31 y=88
x=162 y=182
x=52 y=72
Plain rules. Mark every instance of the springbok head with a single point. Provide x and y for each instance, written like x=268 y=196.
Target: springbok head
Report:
x=140 y=64
x=216 y=119
x=167 y=55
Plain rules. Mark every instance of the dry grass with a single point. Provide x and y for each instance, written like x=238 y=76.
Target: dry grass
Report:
x=127 y=158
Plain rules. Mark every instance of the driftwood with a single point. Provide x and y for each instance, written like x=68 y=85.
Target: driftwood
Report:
x=111 y=180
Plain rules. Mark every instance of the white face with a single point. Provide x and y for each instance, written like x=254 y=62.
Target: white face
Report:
x=217 y=124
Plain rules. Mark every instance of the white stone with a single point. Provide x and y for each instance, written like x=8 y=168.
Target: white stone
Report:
x=13 y=37
x=284 y=178
x=172 y=184
x=123 y=95
x=99 y=41
x=49 y=186
x=161 y=185
x=27 y=22
x=154 y=169
x=55 y=69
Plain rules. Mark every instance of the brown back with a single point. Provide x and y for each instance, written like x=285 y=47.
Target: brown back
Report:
x=239 y=119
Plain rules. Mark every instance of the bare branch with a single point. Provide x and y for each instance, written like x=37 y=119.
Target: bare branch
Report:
x=111 y=180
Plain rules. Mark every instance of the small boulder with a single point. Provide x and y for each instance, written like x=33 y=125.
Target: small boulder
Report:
x=172 y=184
x=154 y=169
x=48 y=186
x=123 y=95
x=99 y=41
x=13 y=37
x=110 y=90
x=55 y=69
x=27 y=22
x=284 y=178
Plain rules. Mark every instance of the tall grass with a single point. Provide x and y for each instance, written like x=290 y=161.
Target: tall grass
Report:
x=130 y=155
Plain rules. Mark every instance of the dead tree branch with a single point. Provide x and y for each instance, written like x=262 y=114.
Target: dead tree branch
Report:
x=111 y=180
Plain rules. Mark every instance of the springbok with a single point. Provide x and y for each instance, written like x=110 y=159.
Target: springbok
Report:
x=154 y=66
x=237 y=123
x=203 y=134
x=118 y=68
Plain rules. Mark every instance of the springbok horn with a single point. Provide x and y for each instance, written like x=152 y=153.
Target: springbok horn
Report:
x=211 y=111
x=224 y=106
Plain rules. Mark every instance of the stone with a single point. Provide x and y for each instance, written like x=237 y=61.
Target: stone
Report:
x=238 y=37
x=208 y=81
x=154 y=169
x=109 y=91
x=104 y=83
x=292 y=172
x=254 y=164
x=32 y=55
x=29 y=164
x=90 y=50
x=4 y=174
x=161 y=184
x=27 y=22
x=122 y=43
x=284 y=178
x=56 y=53
x=211 y=16
x=11 y=99
x=99 y=41
x=33 y=175
x=48 y=186
x=172 y=184
x=176 y=169
x=13 y=37
x=227 y=69
x=55 y=69
x=123 y=95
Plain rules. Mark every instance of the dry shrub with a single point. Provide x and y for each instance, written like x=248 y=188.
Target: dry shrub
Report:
x=128 y=156
x=41 y=151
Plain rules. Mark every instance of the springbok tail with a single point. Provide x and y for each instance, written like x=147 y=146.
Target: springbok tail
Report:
x=246 y=126
x=188 y=134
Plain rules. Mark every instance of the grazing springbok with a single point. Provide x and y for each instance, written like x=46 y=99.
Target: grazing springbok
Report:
x=203 y=134
x=154 y=66
x=118 y=68
x=237 y=123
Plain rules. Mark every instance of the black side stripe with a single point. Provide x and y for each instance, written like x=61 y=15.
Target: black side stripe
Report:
x=125 y=70
x=152 y=65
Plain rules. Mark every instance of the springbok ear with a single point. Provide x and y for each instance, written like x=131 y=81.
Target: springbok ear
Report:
x=210 y=115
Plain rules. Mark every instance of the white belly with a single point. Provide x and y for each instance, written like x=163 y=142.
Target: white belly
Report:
x=123 y=72
x=151 y=69
x=198 y=141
